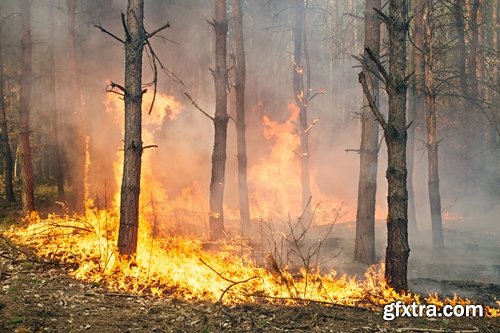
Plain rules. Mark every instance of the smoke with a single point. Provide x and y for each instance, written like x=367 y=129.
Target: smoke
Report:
x=177 y=173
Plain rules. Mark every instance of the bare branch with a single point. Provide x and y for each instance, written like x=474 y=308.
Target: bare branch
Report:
x=371 y=102
x=116 y=85
x=151 y=34
x=321 y=91
x=197 y=107
x=311 y=125
x=109 y=33
x=124 y=23
x=379 y=64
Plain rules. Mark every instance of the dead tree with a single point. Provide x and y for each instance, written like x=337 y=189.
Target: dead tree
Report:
x=217 y=181
x=364 y=248
x=395 y=133
x=75 y=148
x=301 y=99
x=131 y=179
x=432 y=141
x=4 y=134
x=136 y=38
x=239 y=87
x=28 y=190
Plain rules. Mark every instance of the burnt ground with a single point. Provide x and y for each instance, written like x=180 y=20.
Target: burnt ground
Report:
x=39 y=296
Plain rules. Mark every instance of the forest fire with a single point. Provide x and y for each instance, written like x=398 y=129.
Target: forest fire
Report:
x=179 y=267
x=249 y=166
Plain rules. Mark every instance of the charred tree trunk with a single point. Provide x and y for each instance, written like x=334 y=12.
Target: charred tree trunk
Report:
x=131 y=179
x=301 y=99
x=4 y=135
x=239 y=86
x=76 y=144
x=395 y=133
x=216 y=214
x=432 y=142
x=28 y=190
x=55 y=145
x=364 y=248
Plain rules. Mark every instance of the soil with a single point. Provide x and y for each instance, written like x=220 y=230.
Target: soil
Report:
x=39 y=296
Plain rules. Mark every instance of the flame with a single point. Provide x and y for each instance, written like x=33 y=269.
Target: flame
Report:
x=277 y=176
x=170 y=265
x=179 y=267
x=275 y=181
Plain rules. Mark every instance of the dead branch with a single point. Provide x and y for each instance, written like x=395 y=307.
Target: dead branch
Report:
x=233 y=283
x=371 y=102
x=149 y=146
x=116 y=85
x=124 y=23
x=311 y=125
x=100 y=27
x=12 y=246
x=154 y=83
x=378 y=63
x=197 y=107
x=319 y=92
x=151 y=34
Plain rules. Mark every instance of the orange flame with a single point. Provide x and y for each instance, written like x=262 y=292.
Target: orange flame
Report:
x=179 y=267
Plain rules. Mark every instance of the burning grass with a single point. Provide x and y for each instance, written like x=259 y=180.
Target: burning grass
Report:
x=179 y=267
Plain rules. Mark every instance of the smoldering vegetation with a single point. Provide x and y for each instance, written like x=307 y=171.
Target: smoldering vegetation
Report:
x=177 y=173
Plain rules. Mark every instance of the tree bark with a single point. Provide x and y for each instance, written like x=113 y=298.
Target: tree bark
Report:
x=461 y=64
x=55 y=145
x=131 y=179
x=398 y=251
x=239 y=87
x=5 y=150
x=28 y=190
x=76 y=139
x=216 y=214
x=432 y=142
x=301 y=96
x=364 y=248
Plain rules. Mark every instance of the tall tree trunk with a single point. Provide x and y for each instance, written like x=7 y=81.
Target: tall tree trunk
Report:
x=76 y=145
x=364 y=248
x=398 y=251
x=55 y=145
x=28 y=190
x=461 y=64
x=5 y=151
x=415 y=107
x=432 y=142
x=301 y=95
x=488 y=31
x=131 y=180
x=239 y=86
x=216 y=214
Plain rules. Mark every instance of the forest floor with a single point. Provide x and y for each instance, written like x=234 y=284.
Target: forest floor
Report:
x=37 y=295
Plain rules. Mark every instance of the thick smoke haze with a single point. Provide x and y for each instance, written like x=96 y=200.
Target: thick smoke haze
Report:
x=176 y=174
